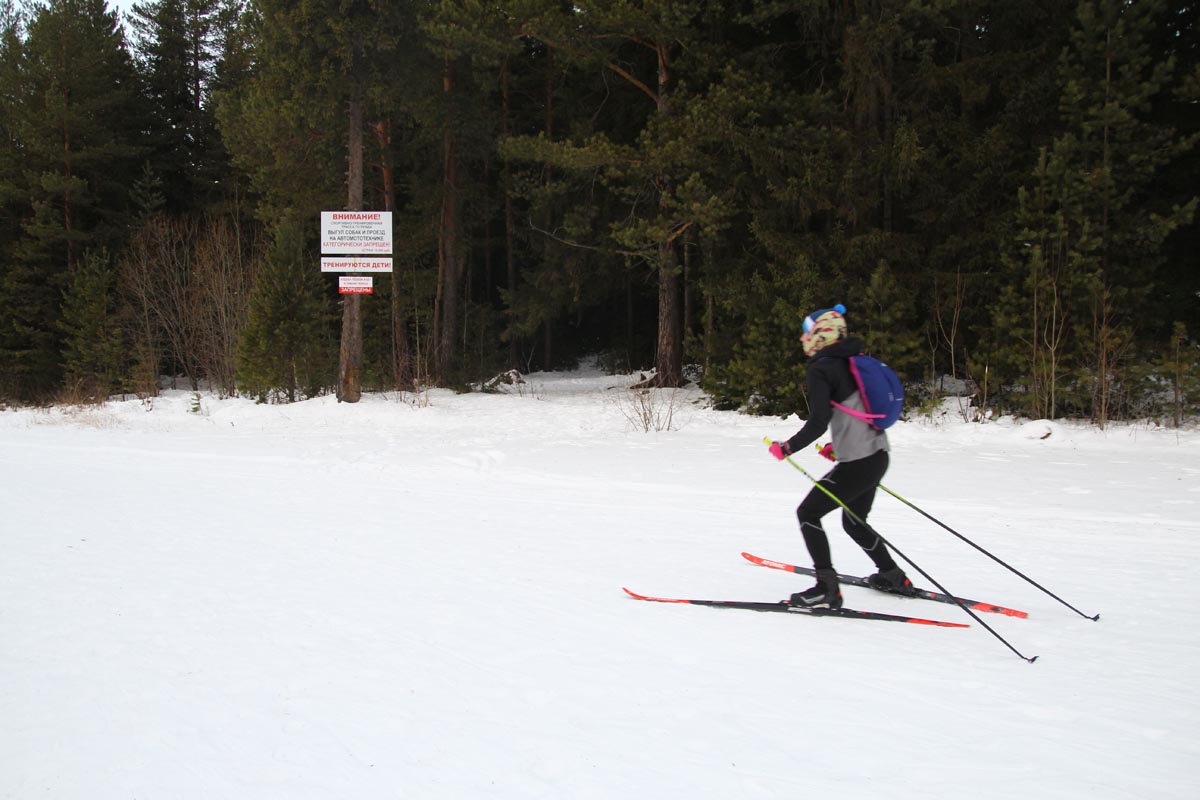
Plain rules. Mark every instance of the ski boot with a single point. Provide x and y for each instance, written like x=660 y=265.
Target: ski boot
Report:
x=892 y=581
x=826 y=594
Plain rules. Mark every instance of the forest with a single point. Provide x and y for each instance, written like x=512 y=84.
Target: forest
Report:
x=1003 y=193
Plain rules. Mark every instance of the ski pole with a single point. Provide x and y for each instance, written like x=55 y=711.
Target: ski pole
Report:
x=925 y=574
x=999 y=561
x=1012 y=569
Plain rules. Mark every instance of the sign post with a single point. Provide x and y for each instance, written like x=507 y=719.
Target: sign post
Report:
x=354 y=241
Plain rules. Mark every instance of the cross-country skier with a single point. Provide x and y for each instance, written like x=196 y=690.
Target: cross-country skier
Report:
x=862 y=460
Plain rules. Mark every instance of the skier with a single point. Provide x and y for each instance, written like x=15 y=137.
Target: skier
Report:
x=862 y=460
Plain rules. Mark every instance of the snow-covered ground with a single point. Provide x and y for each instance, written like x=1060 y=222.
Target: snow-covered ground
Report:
x=401 y=599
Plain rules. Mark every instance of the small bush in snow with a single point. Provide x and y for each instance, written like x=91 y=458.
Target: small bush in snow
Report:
x=649 y=409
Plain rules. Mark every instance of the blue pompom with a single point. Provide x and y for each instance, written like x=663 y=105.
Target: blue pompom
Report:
x=841 y=309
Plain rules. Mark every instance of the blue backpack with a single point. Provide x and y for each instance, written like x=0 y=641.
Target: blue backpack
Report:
x=880 y=390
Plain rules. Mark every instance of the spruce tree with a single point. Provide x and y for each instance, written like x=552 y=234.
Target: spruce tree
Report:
x=75 y=124
x=1084 y=268
x=287 y=344
x=179 y=44
x=13 y=199
x=93 y=349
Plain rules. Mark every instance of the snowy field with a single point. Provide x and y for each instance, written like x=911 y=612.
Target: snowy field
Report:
x=423 y=600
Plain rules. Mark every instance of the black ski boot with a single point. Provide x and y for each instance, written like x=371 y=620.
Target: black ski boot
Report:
x=892 y=581
x=826 y=594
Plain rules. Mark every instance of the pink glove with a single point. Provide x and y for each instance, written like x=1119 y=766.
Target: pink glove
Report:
x=780 y=450
x=827 y=452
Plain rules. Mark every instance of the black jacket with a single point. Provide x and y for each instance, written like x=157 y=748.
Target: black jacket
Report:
x=829 y=379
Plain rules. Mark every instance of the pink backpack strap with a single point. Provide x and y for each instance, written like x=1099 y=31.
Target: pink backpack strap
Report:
x=864 y=416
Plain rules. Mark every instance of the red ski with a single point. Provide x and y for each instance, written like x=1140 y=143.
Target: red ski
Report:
x=783 y=607
x=923 y=594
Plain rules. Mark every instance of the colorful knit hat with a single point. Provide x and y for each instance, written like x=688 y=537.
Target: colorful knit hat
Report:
x=823 y=328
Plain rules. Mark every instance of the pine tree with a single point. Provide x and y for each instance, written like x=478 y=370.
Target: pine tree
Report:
x=651 y=157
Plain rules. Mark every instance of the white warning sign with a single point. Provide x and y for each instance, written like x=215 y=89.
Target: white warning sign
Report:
x=356 y=264
x=356 y=232
x=355 y=284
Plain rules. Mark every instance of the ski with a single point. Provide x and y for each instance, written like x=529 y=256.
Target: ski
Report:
x=783 y=607
x=922 y=594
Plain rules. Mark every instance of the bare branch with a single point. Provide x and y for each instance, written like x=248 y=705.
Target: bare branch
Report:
x=581 y=246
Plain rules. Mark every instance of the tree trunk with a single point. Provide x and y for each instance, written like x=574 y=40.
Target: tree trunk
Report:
x=710 y=313
x=350 y=354
x=402 y=377
x=510 y=225
x=669 y=358
x=450 y=264
x=669 y=361
x=689 y=319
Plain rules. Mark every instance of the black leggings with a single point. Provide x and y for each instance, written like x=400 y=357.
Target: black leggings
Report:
x=854 y=483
